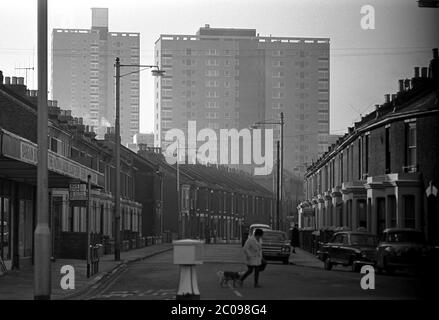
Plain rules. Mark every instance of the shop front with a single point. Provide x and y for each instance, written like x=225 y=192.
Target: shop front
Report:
x=18 y=175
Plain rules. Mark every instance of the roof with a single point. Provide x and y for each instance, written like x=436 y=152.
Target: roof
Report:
x=420 y=100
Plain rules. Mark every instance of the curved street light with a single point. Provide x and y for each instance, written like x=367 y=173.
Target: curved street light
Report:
x=281 y=123
x=155 y=72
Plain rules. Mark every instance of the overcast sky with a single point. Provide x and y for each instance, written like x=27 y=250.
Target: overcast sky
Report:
x=365 y=64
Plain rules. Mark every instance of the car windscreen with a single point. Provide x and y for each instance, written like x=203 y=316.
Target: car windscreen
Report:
x=273 y=237
x=403 y=236
x=363 y=240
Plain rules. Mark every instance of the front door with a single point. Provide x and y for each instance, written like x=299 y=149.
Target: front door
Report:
x=5 y=231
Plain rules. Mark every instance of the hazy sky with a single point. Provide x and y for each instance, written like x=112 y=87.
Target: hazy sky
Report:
x=365 y=64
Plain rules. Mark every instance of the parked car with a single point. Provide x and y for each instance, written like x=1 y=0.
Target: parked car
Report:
x=255 y=226
x=275 y=246
x=402 y=248
x=349 y=248
x=249 y=232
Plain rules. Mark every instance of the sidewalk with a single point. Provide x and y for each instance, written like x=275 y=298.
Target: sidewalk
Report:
x=18 y=284
x=305 y=259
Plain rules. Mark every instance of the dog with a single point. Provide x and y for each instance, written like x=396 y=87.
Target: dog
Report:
x=226 y=276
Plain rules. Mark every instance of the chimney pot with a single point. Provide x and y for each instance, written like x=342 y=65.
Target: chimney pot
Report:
x=407 y=84
x=49 y=103
x=424 y=72
x=8 y=80
x=393 y=96
x=55 y=103
x=20 y=80
x=14 y=81
x=416 y=72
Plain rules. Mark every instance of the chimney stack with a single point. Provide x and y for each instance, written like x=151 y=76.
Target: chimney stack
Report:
x=387 y=98
x=8 y=80
x=1 y=77
x=416 y=72
x=20 y=81
x=401 y=85
x=435 y=53
x=55 y=103
x=424 y=72
x=407 y=84
x=14 y=81
x=394 y=96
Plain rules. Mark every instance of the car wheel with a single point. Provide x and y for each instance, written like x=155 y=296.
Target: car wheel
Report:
x=327 y=264
x=355 y=267
x=389 y=270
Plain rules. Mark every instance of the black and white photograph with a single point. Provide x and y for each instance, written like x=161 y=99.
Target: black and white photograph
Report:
x=234 y=151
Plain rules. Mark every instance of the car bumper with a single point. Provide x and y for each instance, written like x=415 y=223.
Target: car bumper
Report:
x=364 y=262
x=276 y=255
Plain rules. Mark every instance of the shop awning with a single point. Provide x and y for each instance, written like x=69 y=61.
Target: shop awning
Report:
x=18 y=161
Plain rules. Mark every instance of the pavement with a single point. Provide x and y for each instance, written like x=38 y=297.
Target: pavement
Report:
x=305 y=259
x=18 y=284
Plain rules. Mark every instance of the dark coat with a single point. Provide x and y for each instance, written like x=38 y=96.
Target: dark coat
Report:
x=294 y=237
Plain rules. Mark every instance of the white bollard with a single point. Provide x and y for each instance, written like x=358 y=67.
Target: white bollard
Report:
x=188 y=253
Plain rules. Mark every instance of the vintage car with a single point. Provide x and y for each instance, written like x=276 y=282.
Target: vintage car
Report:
x=249 y=232
x=401 y=248
x=255 y=226
x=349 y=248
x=275 y=246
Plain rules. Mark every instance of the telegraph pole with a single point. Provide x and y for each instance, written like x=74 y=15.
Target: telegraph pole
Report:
x=117 y=186
x=42 y=270
x=281 y=163
x=157 y=73
x=278 y=196
x=180 y=220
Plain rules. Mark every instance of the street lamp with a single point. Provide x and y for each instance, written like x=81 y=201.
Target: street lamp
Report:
x=155 y=72
x=280 y=123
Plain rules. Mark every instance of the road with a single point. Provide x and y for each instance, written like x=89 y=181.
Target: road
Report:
x=156 y=278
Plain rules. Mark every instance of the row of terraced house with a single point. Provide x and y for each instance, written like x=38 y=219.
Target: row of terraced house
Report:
x=215 y=203
x=384 y=172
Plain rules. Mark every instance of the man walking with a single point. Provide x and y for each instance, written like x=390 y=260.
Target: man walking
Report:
x=253 y=256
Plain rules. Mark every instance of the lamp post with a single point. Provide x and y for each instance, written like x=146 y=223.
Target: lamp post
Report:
x=155 y=72
x=42 y=273
x=281 y=123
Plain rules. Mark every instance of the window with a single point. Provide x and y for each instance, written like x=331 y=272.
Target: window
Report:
x=409 y=211
x=278 y=74
x=323 y=75
x=381 y=215
x=392 y=210
x=323 y=85
x=387 y=151
x=410 y=160
x=212 y=73
x=362 y=213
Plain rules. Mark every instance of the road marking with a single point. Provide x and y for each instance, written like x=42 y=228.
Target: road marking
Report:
x=235 y=291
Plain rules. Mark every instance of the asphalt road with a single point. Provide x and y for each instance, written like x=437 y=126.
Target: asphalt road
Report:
x=157 y=278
